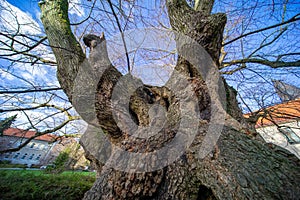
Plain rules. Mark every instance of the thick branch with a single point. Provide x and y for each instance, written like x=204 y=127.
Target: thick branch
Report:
x=66 y=48
x=204 y=6
x=94 y=86
x=205 y=29
x=273 y=64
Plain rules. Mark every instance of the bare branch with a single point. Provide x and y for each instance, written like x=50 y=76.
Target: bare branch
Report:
x=23 y=52
x=268 y=43
x=122 y=34
x=84 y=20
x=29 y=91
x=38 y=106
x=272 y=64
x=293 y=19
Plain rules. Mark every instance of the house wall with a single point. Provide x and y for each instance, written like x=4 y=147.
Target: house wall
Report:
x=41 y=152
x=34 y=153
x=272 y=135
x=76 y=159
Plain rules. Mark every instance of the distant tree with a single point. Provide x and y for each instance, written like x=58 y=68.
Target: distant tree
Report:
x=60 y=164
x=6 y=123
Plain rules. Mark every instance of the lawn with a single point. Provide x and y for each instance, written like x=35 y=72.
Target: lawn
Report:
x=25 y=185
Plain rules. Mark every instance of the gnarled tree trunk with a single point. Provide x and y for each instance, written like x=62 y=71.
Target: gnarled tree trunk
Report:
x=236 y=167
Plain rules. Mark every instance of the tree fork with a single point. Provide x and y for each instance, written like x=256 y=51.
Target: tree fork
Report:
x=238 y=167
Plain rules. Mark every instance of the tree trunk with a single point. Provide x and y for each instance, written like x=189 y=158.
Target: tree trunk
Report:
x=234 y=166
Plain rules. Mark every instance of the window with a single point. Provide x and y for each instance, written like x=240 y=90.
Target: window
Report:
x=32 y=145
x=23 y=157
x=16 y=155
x=38 y=157
x=7 y=155
x=32 y=155
x=41 y=146
x=290 y=135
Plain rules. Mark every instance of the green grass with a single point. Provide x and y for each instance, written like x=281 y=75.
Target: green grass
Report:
x=25 y=185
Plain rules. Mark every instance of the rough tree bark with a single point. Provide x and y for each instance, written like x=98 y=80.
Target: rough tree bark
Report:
x=239 y=167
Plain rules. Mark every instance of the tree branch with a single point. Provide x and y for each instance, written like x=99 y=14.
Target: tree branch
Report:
x=293 y=19
x=84 y=20
x=44 y=105
x=273 y=64
x=268 y=43
x=66 y=48
x=205 y=6
x=29 y=91
x=23 y=52
x=122 y=35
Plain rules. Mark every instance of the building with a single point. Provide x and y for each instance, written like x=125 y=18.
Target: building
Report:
x=42 y=150
x=280 y=125
x=36 y=152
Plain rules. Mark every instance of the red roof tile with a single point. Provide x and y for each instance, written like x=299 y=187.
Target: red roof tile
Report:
x=27 y=134
x=278 y=114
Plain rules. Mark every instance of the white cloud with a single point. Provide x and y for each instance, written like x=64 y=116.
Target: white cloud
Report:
x=6 y=75
x=27 y=76
x=15 y=23
x=13 y=19
x=76 y=8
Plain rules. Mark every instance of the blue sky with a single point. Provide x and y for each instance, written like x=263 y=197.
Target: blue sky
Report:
x=24 y=76
x=30 y=6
